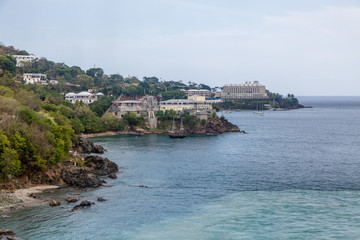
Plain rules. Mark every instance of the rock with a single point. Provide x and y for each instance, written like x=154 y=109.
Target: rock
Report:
x=100 y=166
x=54 y=203
x=86 y=203
x=32 y=195
x=143 y=186
x=80 y=177
x=71 y=200
x=6 y=232
x=101 y=199
x=112 y=176
x=82 y=205
x=85 y=146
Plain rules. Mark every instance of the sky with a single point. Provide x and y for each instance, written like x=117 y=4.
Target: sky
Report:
x=304 y=47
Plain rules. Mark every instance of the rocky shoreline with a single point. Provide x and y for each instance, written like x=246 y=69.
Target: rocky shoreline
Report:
x=214 y=126
x=83 y=171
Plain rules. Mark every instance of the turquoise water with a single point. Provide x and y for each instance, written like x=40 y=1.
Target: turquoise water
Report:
x=296 y=175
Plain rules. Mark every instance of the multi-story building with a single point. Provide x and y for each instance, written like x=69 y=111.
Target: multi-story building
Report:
x=181 y=105
x=144 y=105
x=197 y=98
x=20 y=59
x=84 y=97
x=32 y=78
x=140 y=105
x=247 y=90
x=200 y=92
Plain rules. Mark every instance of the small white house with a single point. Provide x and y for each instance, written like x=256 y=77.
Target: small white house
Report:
x=84 y=97
x=32 y=78
x=20 y=59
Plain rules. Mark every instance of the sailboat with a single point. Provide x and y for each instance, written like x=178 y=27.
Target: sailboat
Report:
x=257 y=109
x=177 y=134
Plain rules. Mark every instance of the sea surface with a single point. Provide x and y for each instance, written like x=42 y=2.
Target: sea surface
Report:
x=295 y=175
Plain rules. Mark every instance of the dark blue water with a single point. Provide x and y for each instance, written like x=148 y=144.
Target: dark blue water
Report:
x=296 y=175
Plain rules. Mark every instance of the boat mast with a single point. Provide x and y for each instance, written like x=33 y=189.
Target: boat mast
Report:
x=181 y=126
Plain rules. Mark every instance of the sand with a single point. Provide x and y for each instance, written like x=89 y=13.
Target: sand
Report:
x=21 y=197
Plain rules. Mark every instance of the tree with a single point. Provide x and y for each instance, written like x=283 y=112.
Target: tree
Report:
x=151 y=79
x=9 y=160
x=131 y=119
x=85 y=81
x=7 y=64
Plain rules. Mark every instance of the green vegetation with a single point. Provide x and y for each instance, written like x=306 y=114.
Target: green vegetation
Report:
x=275 y=101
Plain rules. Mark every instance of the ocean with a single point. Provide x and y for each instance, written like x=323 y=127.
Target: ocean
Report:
x=295 y=175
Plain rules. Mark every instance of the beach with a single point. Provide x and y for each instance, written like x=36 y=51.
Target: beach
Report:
x=22 y=197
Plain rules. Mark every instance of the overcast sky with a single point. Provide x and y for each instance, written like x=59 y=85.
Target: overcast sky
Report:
x=305 y=47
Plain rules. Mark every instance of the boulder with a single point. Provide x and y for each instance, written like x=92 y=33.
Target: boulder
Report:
x=85 y=146
x=71 y=200
x=82 y=205
x=100 y=166
x=101 y=199
x=54 y=203
x=86 y=203
x=80 y=177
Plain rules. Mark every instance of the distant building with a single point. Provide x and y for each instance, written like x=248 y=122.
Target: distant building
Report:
x=32 y=78
x=181 y=105
x=139 y=105
x=20 y=59
x=247 y=90
x=197 y=98
x=144 y=105
x=53 y=81
x=200 y=92
x=84 y=97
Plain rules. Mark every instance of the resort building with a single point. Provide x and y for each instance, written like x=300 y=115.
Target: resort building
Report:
x=248 y=90
x=197 y=98
x=84 y=97
x=201 y=92
x=20 y=59
x=32 y=78
x=181 y=105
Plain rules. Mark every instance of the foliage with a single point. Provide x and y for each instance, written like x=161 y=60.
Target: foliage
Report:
x=132 y=119
x=216 y=107
x=7 y=65
x=101 y=105
x=113 y=123
x=9 y=160
x=175 y=94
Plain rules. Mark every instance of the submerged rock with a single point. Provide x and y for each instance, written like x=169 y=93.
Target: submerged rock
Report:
x=82 y=205
x=112 y=176
x=54 y=203
x=101 y=199
x=71 y=200
x=6 y=232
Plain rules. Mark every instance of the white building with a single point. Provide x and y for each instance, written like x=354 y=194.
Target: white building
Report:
x=200 y=92
x=20 y=59
x=32 y=78
x=53 y=81
x=248 y=90
x=181 y=105
x=84 y=97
